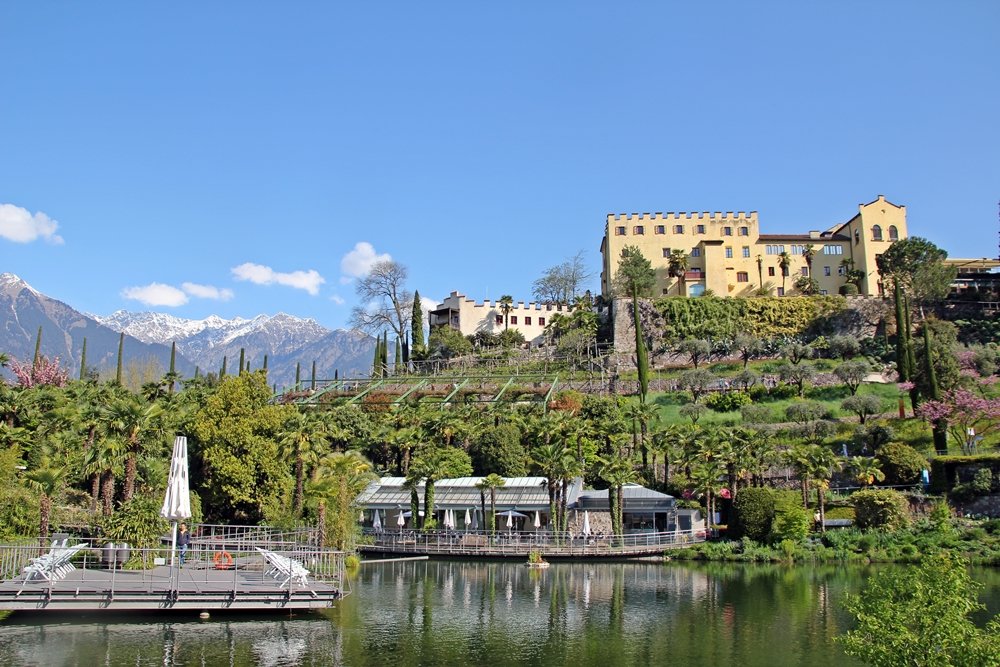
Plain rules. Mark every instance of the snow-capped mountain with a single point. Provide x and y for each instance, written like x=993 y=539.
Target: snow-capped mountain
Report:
x=23 y=309
x=285 y=339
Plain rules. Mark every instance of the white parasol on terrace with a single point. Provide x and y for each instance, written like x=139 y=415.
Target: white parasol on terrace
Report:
x=586 y=524
x=177 y=501
x=377 y=523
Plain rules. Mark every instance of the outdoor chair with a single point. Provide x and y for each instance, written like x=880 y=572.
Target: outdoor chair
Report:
x=54 y=565
x=285 y=569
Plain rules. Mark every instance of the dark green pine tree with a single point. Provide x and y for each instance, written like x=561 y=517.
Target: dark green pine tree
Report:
x=172 y=373
x=242 y=360
x=38 y=348
x=222 y=372
x=376 y=371
x=83 y=360
x=398 y=367
x=265 y=364
x=312 y=381
x=121 y=355
x=197 y=371
x=336 y=374
x=416 y=329
x=385 y=354
x=298 y=375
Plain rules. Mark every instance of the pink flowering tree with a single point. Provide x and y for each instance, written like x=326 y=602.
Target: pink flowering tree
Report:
x=968 y=415
x=42 y=371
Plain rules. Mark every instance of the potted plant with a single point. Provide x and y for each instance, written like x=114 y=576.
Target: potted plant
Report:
x=535 y=560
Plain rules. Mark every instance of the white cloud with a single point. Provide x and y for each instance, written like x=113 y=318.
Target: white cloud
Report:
x=207 y=291
x=20 y=226
x=264 y=275
x=358 y=262
x=156 y=294
x=337 y=299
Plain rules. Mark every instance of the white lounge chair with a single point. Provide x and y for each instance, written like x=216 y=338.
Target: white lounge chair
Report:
x=285 y=569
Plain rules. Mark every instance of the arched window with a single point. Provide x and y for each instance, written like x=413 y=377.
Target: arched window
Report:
x=876 y=233
x=893 y=233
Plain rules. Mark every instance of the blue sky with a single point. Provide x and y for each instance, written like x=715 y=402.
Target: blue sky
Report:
x=237 y=154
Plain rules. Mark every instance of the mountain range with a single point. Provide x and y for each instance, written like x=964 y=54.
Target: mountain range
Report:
x=285 y=339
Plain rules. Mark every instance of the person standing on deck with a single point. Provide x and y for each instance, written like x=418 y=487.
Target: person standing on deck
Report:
x=183 y=540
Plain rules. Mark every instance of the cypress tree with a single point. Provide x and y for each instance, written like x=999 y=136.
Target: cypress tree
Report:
x=298 y=375
x=385 y=354
x=399 y=357
x=242 y=360
x=173 y=367
x=222 y=373
x=265 y=363
x=416 y=328
x=83 y=360
x=336 y=374
x=312 y=382
x=121 y=350
x=197 y=371
x=38 y=348
x=378 y=357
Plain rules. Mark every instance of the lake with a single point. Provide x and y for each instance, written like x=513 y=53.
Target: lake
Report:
x=475 y=613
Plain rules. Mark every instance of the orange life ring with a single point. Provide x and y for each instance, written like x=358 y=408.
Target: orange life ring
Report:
x=223 y=560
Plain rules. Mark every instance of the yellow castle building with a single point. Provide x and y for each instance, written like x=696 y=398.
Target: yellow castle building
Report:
x=727 y=254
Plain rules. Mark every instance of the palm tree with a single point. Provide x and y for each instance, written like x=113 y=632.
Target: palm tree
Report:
x=866 y=470
x=617 y=472
x=705 y=476
x=491 y=483
x=760 y=272
x=434 y=463
x=302 y=438
x=677 y=265
x=784 y=261
x=506 y=305
x=134 y=423
x=549 y=460
x=808 y=252
x=337 y=480
x=48 y=481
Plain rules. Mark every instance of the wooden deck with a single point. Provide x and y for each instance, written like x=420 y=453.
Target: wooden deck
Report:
x=519 y=545
x=197 y=585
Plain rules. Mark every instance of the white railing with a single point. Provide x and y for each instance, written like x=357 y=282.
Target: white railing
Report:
x=513 y=543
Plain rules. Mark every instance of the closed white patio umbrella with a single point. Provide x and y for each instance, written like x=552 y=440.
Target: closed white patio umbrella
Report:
x=586 y=524
x=538 y=520
x=177 y=500
x=377 y=523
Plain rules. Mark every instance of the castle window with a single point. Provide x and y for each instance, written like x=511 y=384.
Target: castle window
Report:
x=527 y=320
x=666 y=252
x=659 y=229
x=770 y=271
x=774 y=249
x=696 y=252
x=744 y=231
x=729 y=252
x=857 y=237
x=513 y=319
x=826 y=271
x=841 y=270
x=824 y=292
x=699 y=229
x=833 y=250
x=541 y=321
x=499 y=319
x=781 y=291
x=746 y=251
x=805 y=271
x=619 y=231
x=742 y=277
x=876 y=233
x=893 y=233
x=638 y=230
x=727 y=231
x=678 y=229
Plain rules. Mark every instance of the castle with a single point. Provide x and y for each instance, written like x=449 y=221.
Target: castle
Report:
x=726 y=254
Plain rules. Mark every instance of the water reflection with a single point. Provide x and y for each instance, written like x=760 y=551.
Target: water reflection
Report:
x=449 y=613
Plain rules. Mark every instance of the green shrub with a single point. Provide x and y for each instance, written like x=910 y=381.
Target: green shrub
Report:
x=791 y=520
x=728 y=401
x=880 y=508
x=840 y=513
x=757 y=392
x=753 y=510
x=137 y=522
x=901 y=463
x=849 y=289
x=756 y=414
x=782 y=391
x=352 y=562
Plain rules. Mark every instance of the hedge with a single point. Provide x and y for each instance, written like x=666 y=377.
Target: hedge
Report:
x=753 y=512
x=765 y=317
x=945 y=468
x=880 y=508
